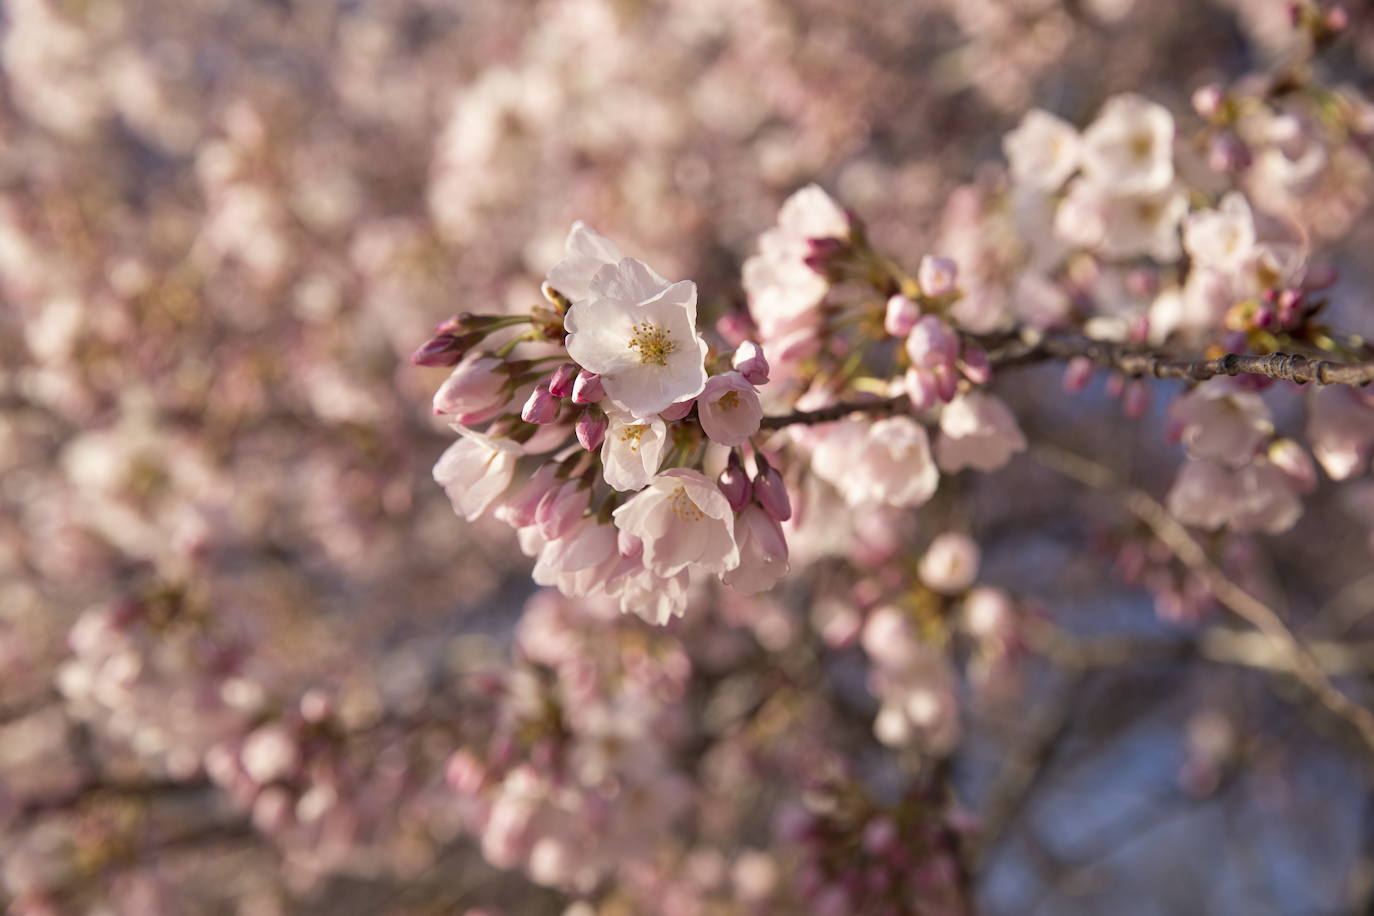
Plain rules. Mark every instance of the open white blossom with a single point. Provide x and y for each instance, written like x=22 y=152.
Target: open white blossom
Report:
x=1043 y=151
x=475 y=470
x=684 y=520
x=632 y=450
x=1129 y=149
x=639 y=334
x=978 y=431
x=783 y=289
x=586 y=253
x=1223 y=238
x=887 y=462
x=1122 y=225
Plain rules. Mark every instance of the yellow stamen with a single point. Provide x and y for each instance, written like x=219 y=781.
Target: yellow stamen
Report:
x=683 y=507
x=653 y=343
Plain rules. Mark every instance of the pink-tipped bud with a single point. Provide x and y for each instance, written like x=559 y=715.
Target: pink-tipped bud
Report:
x=750 y=362
x=1337 y=19
x=771 y=493
x=591 y=429
x=932 y=343
x=901 y=316
x=1139 y=330
x=920 y=389
x=541 y=407
x=946 y=382
x=1228 y=153
x=677 y=411
x=735 y=327
x=937 y=276
x=465 y=774
x=561 y=382
x=444 y=350
x=734 y=483
x=587 y=388
x=1264 y=318
x=823 y=253
x=1291 y=458
x=1136 y=399
x=975 y=365
x=1207 y=100
x=475 y=391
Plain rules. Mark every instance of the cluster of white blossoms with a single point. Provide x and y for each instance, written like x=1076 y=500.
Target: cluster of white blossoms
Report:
x=626 y=511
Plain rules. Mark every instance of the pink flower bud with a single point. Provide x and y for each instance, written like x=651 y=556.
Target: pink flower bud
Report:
x=1291 y=458
x=542 y=407
x=677 y=411
x=587 y=388
x=444 y=349
x=1337 y=19
x=750 y=362
x=975 y=366
x=823 y=253
x=771 y=492
x=1264 y=318
x=465 y=774
x=561 y=382
x=734 y=483
x=932 y=343
x=474 y=391
x=946 y=382
x=591 y=429
x=901 y=316
x=937 y=276
x=920 y=389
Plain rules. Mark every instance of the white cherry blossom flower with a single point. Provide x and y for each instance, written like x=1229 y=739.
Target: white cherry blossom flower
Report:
x=1122 y=226
x=1223 y=238
x=639 y=335
x=586 y=253
x=950 y=563
x=632 y=450
x=729 y=409
x=475 y=471
x=1129 y=148
x=887 y=462
x=1255 y=497
x=1043 y=151
x=1340 y=427
x=684 y=520
x=978 y=431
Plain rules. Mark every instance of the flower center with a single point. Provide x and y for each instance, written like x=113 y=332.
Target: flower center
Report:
x=1142 y=146
x=632 y=434
x=653 y=343
x=682 y=506
x=729 y=400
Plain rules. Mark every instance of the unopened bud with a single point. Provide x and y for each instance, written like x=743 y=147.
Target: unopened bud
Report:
x=901 y=316
x=734 y=483
x=822 y=254
x=975 y=365
x=937 y=276
x=587 y=388
x=444 y=349
x=771 y=493
x=750 y=362
x=541 y=407
x=1135 y=400
x=561 y=382
x=591 y=429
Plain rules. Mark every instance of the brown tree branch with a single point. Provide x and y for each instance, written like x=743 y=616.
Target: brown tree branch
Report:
x=1028 y=346
x=1298 y=657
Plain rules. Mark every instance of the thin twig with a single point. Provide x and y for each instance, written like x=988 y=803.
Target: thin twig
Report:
x=1304 y=665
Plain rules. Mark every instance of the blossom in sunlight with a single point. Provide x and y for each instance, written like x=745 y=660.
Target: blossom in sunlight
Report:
x=950 y=563
x=475 y=471
x=684 y=520
x=1340 y=425
x=1043 y=151
x=586 y=252
x=729 y=409
x=632 y=450
x=977 y=431
x=1254 y=497
x=639 y=336
x=1128 y=149
x=474 y=391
